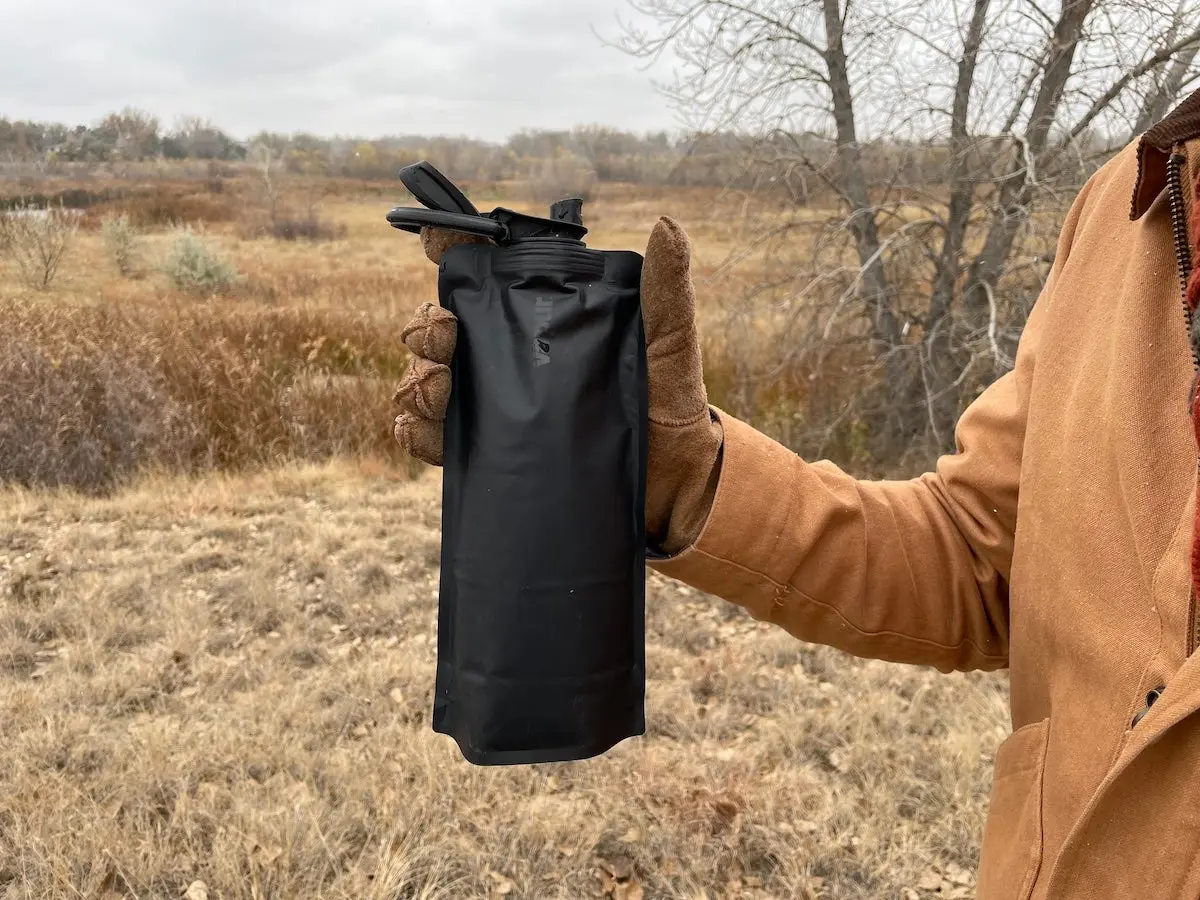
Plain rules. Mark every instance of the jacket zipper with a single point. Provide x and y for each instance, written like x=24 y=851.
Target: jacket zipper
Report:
x=1183 y=260
x=1193 y=629
x=1183 y=249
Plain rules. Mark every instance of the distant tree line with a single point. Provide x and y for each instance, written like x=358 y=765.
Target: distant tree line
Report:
x=129 y=135
x=590 y=153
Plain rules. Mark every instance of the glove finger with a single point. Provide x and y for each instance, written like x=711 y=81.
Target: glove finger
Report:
x=668 y=298
x=432 y=333
x=677 y=394
x=436 y=241
x=425 y=389
x=420 y=438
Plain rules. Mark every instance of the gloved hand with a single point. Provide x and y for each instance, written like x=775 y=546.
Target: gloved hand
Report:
x=684 y=437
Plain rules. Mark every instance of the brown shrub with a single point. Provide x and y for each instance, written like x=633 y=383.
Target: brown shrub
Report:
x=147 y=205
x=76 y=414
x=92 y=395
x=309 y=227
x=166 y=205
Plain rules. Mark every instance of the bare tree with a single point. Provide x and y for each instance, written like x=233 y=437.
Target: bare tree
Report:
x=268 y=161
x=928 y=271
x=37 y=240
x=1169 y=80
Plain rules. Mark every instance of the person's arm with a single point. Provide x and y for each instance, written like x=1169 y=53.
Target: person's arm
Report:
x=909 y=571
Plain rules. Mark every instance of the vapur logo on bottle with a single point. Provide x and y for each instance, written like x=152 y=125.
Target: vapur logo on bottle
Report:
x=542 y=311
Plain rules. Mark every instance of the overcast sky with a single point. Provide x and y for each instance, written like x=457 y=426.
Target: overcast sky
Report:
x=484 y=68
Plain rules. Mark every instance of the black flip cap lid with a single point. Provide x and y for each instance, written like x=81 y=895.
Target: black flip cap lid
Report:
x=435 y=190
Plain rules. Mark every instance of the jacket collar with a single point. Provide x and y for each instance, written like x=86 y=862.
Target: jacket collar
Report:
x=1181 y=124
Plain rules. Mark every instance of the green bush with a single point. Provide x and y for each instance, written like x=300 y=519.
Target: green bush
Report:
x=123 y=244
x=195 y=266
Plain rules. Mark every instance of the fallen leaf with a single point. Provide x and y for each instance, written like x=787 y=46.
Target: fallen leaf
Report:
x=959 y=875
x=197 y=890
x=930 y=881
x=109 y=883
x=504 y=884
x=632 y=836
x=607 y=883
x=620 y=868
x=837 y=759
x=397 y=696
x=726 y=808
x=265 y=856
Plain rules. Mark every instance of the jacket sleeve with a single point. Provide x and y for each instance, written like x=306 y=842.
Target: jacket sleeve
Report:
x=909 y=571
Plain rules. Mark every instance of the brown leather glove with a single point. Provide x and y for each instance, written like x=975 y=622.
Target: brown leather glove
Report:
x=685 y=438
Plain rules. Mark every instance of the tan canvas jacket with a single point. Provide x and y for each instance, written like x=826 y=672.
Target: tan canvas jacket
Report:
x=1056 y=541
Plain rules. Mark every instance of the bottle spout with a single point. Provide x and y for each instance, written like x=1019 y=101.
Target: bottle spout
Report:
x=570 y=211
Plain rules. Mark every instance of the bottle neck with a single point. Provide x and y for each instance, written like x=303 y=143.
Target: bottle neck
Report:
x=522 y=227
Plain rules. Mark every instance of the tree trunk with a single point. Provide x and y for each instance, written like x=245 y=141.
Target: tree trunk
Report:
x=941 y=365
x=862 y=222
x=891 y=424
x=1017 y=190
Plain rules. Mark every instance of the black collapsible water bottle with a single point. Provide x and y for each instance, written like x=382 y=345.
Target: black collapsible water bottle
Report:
x=541 y=623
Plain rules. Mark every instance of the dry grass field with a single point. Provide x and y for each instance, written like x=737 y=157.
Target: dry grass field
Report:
x=218 y=603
